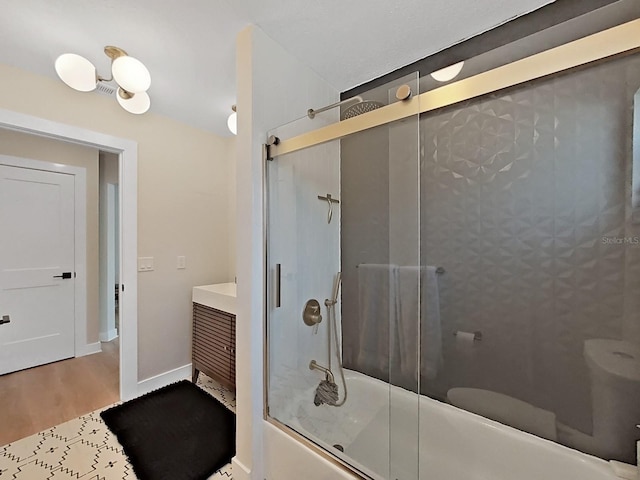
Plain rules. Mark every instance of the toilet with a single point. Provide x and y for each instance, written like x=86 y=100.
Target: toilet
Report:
x=614 y=368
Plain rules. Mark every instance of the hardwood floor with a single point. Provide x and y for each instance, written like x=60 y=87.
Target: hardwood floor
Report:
x=42 y=397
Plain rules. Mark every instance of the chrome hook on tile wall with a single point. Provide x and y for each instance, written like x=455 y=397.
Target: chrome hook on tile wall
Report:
x=330 y=201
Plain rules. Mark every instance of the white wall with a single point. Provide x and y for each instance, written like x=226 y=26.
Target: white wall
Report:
x=273 y=88
x=183 y=185
x=232 y=213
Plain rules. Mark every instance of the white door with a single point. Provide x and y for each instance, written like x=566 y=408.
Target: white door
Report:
x=36 y=267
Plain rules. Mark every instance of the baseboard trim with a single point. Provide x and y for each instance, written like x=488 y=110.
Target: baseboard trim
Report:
x=164 y=379
x=88 y=349
x=240 y=472
x=109 y=335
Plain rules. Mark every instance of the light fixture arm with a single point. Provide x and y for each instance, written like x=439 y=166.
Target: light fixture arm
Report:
x=103 y=79
x=113 y=53
x=124 y=94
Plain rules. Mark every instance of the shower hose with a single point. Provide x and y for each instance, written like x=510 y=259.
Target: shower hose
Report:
x=331 y=313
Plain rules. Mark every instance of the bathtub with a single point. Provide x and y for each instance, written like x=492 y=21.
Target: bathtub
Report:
x=444 y=443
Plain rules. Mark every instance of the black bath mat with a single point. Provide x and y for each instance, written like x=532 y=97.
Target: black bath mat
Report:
x=178 y=432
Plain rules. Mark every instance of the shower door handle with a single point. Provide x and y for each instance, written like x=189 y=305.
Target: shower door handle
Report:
x=277 y=285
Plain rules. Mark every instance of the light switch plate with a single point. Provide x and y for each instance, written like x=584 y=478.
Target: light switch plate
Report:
x=182 y=262
x=145 y=264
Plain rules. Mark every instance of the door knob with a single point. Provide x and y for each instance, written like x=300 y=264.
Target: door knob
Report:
x=5 y=319
x=65 y=275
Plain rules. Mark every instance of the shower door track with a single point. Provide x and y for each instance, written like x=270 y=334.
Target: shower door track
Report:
x=607 y=43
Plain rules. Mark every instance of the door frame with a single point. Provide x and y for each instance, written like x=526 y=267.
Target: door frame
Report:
x=127 y=151
x=81 y=347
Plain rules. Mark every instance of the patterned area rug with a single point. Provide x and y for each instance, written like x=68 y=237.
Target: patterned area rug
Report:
x=177 y=432
x=84 y=449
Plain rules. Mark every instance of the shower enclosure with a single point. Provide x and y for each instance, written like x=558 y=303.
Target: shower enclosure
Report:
x=460 y=275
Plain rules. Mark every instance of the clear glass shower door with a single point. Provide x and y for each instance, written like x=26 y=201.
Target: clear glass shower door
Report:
x=303 y=264
x=343 y=291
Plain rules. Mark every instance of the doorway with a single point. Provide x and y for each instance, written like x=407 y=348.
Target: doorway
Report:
x=47 y=373
x=126 y=150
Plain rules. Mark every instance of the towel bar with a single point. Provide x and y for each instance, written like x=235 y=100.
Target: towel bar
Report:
x=439 y=270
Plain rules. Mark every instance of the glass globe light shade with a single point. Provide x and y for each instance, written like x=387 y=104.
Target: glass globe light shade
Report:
x=131 y=74
x=232 y=123
x=448 y=73
x=138 y=104
x=77 y=72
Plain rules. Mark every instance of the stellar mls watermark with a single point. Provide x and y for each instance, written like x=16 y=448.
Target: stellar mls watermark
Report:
x=621 y=241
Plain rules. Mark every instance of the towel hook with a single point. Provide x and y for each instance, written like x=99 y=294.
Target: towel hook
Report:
x=330 y=201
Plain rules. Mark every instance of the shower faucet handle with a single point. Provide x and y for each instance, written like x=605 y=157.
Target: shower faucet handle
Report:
x=311 y=313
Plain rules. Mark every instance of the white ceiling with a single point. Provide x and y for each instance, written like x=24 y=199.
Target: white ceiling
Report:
x=189 y=45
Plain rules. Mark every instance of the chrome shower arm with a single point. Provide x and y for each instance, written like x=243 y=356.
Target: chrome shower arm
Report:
x=311 y=113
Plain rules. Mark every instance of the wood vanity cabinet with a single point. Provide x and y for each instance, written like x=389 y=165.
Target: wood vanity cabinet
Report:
x=214 y=344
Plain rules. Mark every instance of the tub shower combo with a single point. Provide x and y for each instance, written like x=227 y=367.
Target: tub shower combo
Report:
x=453 y=284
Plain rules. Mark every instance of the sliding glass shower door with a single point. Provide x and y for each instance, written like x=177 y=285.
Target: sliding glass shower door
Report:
x=344 y=290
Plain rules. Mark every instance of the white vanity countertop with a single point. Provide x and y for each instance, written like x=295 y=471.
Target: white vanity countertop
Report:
x=221 y=296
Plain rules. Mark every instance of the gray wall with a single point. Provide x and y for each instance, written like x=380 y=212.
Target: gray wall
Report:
x=518 y=190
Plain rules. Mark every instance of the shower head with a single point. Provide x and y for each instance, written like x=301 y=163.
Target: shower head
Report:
x=360 y=108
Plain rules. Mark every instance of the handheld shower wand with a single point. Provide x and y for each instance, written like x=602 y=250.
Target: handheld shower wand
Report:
x=330 y=304
x=333 y=325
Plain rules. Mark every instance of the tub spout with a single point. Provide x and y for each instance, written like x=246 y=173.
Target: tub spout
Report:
x=313 y=365
x=327 y=391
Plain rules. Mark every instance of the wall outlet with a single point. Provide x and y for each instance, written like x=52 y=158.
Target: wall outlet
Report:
x=145 y=264
x=182 y=262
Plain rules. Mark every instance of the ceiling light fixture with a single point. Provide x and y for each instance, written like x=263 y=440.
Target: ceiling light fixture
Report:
x=232 y=121
x=448 y=73
x=130 y=74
